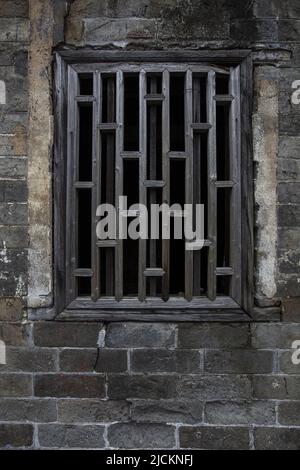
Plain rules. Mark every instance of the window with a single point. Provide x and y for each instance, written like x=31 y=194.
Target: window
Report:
x=159 y=131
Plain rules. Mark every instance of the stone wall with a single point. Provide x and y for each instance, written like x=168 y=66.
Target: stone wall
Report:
x=170 y=385
x=158 y=385
x=14 y=40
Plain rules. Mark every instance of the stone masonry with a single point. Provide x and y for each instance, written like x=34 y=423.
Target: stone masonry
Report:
x=111 y=385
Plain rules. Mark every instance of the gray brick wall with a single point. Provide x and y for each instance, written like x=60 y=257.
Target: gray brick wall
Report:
x=135 y=395
x=150 y=385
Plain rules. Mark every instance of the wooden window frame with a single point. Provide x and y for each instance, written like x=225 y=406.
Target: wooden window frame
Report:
x=220 y=309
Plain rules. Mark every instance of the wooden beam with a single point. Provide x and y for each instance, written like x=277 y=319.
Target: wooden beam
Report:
x=247 y=183
x=212 y=192
x=154 y=67
x=110 y=178
x=96 y=165
x=154 y=184
x=185 y=56
x=223 y=303
x=83 y=185
x=119 y=182
x=153 y=170
x=154 y=98
x=72 y=172
x=59 y=183
x=130 y=155
x=235 y=174
x=154 y=272
x=83 y=272
x=224 y=271
x=142 y=178
x=224 y=98
x=196 y=178
x=225 y=184
x=106 y=244
x=177 y=155
x=84 y=99
x=108 y=126
x=201 y=126
x=166 y=177
x=197 y=314
x=188 y=93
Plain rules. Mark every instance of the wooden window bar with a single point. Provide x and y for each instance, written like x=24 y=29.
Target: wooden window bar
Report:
x=142 y=178
x=166 y=178
x=119 y=182
x=212 y=192
x=96 y=175
x=189 y=175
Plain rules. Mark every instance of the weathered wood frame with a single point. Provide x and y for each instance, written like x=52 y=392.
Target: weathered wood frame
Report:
x=179 y=310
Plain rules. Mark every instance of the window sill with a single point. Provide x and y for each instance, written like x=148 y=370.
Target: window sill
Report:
x=109 y=316
x=177 y=309
x=216 y=314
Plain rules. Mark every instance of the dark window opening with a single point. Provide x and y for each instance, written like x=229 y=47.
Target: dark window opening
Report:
x=177 y=133
x=223 y=285
x=199 y=99
x=222 y=84
x=84 y=228
x=154 y=142
x=154 y=83
x=107 y=271
x=131 y=112
x=223 y=228
x=107 y=168
x=86 y=84
x=223 y=150
x=131 y=247
x=108 y=108
x=177 y=247
x=84 y=286
x=154 y=246
x=85 y=142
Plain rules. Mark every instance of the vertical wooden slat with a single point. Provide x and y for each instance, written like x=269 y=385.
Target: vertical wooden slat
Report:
x=166 y=177
x=235 y=175
x=60 y=157
x=142 y=178
x=72 y=169
x=189 y=175
x=212 y=191
x=119 y=182
x=247 y=179
x=152 y=176
x=110 y=170
x=95 y=282
x=196 y=180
